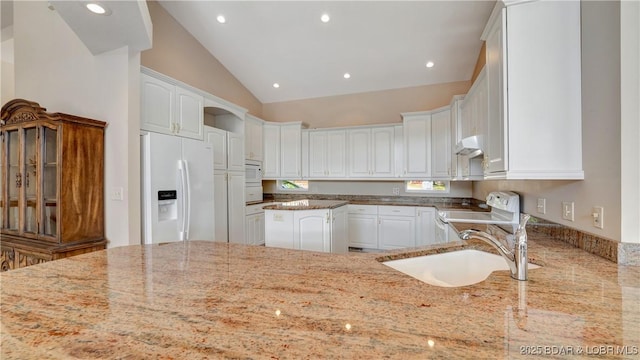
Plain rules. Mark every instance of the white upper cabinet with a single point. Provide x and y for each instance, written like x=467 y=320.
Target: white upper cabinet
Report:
x=327 y=154
x=417 y=145
x=441 y=144
x=290 y=151
x=253 y=138
x=218 y=139
x=235 y=152
x=534 y=91
x=271 y=164
x=170 y=109
x=227 y=149
x=282 y=150
x=473 y=110
x=371 y=152
x=456 y=135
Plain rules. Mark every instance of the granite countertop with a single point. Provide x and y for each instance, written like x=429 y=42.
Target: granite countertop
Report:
x=306 y=204
x=216 y=300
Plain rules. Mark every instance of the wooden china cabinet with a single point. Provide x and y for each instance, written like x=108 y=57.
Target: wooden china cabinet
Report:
x=52 y=183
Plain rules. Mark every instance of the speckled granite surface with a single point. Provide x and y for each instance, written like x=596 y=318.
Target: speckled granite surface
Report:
x=199 y=300
x=307 y=204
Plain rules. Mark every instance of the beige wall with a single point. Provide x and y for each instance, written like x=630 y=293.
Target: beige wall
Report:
x=378 y=107
x=76 y=82
x=179 y=55
x=600 y=134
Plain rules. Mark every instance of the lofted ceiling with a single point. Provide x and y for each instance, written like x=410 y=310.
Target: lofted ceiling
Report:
x=381 y=44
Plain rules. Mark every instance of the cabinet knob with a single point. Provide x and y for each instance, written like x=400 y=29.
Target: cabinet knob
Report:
x=18 y=180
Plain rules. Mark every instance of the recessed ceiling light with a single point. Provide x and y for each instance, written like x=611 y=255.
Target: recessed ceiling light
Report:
x=430 y=64
x=98 y=8
x=325 y=18
x=221 y=19
x=346 y=75
x=276 y=85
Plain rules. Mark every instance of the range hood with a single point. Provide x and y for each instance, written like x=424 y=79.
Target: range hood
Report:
x=470 y=146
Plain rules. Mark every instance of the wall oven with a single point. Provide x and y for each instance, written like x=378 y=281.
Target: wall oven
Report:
x=253 y=172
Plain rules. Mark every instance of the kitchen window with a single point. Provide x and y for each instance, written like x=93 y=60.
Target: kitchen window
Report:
x=427 y=186
x=293 y=185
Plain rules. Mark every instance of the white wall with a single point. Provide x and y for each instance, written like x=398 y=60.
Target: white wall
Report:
x=55 y=69
x=601 y=134
x=377 y=188
x=7 y=81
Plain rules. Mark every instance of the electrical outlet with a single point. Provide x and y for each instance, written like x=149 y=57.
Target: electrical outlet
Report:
x=567 y=210
x=396 y=191
x=598 y=216
x=542 y=205
x=117 y=193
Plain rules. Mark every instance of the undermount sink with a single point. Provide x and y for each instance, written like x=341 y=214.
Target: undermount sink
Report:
x=452 y=269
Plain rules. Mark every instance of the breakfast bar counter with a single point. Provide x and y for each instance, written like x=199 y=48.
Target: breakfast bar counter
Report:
x=196 y=300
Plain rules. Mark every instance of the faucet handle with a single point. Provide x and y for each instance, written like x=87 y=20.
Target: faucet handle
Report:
x=523 y=220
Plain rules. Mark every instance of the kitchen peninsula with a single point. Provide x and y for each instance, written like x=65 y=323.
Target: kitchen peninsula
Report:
x=213 y=300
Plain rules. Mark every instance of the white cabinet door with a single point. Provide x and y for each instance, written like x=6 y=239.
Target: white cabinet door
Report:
x=363 y=231
x=290 y=151
x=190 y=114
x=395 y=232
x=312 y=230
x=456 y=135
x=383 y=143
x=255 y=229
x=340 y=230
x=218 y=139
x=417 y=145
x=271 y=165
x=220 y=210
x=253 y=138
x=359 y=152
x=317 y=154
x=157 y=107
x=278 y=229
x=327 y=154
x=441 y=144
x=495 y=138
x=235 y=152
x=425 y=226
x=235 y=206
x=336 y=162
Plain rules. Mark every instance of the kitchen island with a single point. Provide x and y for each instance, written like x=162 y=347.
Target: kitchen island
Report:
x=316 y=225
x=215 y=300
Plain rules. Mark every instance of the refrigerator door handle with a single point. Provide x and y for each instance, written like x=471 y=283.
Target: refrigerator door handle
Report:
x=187 y=207
x=183 y=200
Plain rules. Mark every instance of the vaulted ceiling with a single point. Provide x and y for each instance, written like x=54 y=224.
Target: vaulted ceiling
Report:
x=380 y=44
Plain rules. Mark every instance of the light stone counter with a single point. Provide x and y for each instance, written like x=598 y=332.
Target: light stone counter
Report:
x=198 y=300
x=306 y=204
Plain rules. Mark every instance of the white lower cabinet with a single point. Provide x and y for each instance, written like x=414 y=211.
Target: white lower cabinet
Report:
x=396 y=227
x=229 y=206
x=323 y=230
x=391 y=227
x=425 y=226
x=254 y=229
x=363 y=226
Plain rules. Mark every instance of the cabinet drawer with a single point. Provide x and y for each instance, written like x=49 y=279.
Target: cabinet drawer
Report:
x=363 y=209
x=397 y=210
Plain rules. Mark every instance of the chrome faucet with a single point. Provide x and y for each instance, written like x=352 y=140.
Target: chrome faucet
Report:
x=516 y=259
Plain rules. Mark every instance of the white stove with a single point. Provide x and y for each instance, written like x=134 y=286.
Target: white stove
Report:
x=505 y=210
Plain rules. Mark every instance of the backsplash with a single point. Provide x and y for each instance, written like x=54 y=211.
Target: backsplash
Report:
x=620 y=253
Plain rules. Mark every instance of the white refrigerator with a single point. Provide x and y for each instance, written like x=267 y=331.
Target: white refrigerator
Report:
x=177 y=189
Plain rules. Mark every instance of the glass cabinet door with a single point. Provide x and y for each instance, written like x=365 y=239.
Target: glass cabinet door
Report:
x=50 y=181
x=14 y=179
x=30 y=180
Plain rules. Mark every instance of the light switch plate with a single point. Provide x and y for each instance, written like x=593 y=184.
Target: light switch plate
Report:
x=567 y=210
x=117 y=193
x=598 y=216
x=542 y=205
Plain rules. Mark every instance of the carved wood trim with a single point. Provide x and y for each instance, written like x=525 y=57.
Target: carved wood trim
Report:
x=20 y=110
